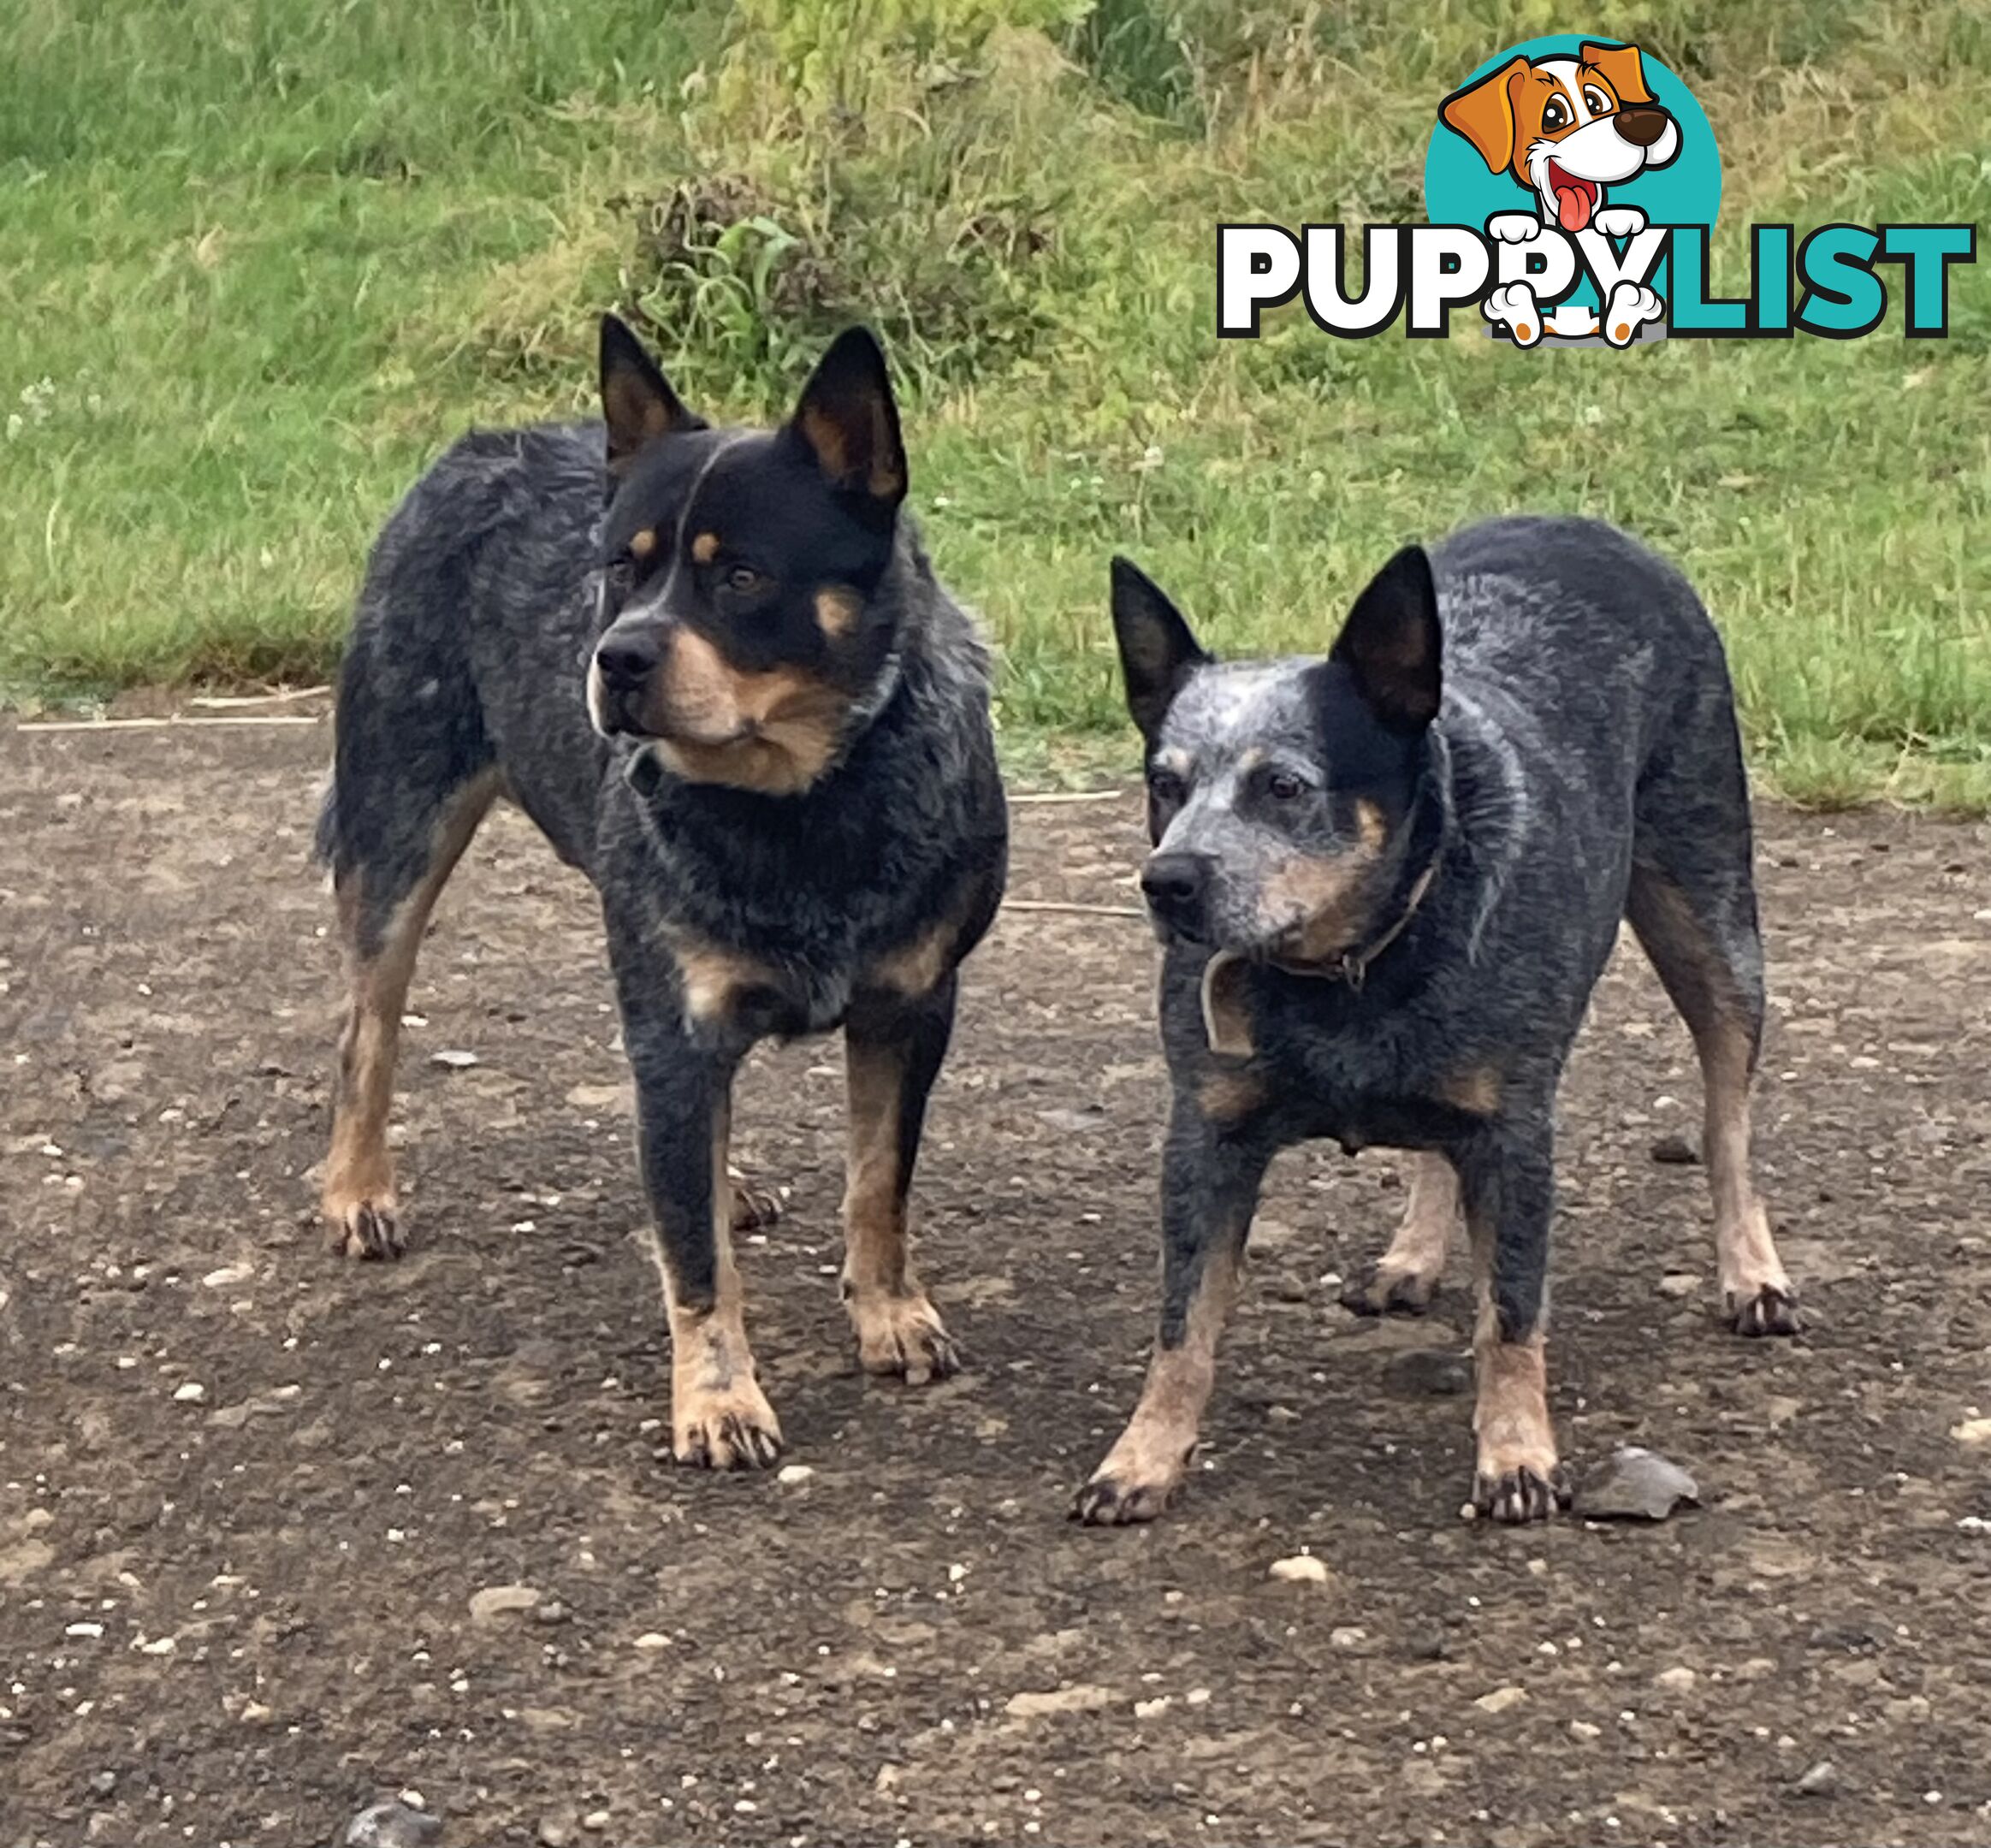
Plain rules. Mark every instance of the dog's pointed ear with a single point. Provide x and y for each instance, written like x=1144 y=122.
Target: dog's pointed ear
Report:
x=1622 y=68
x=1156 y=651
x=1390 y=643
x=847 y=420
x=638 y=403
x=1483 y=113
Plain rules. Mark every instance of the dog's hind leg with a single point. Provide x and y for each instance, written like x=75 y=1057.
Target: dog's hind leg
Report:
x=1696 y=917
x=892 y=1050
x=1406 y=1278
x=393 y=844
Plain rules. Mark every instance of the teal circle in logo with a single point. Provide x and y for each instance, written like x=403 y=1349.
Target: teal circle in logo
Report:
x=1459 y=189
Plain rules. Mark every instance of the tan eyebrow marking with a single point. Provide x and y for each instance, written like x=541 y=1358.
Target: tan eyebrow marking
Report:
x=705 y=549
x=642 y=544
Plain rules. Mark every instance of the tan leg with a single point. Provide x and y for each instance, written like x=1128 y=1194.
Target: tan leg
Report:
x=360 y=1207
x=1406 y=1278
x=720 y=1416
x=888 y=1075
x=1145 y=1468
x=1755 y=1290
x=1722 y=1008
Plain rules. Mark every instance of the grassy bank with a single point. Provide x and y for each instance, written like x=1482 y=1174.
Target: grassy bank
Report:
x=263 y=258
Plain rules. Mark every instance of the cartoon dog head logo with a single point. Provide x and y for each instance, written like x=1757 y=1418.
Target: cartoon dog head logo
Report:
x=1566 y=128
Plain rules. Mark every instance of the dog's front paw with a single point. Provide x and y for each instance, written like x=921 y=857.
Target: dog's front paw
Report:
x=1769 y=1311
x=1514 y=228
x=1524 y=1492
x=1619 y=220
x=1632 y=304
x=368 y=1227
x=902 y=1334
x=725 y=1427
x=1110 y=1501
x=1140 y=1476
x=1389 y=1289
x=1515 y=308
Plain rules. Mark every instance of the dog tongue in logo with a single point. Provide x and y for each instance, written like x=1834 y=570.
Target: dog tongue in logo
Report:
x=1574 y=197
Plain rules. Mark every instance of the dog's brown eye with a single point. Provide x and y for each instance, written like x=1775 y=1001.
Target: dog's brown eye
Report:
x=1556 y=114
x=1282 y=787
x=1164 y=786
x=1595 y=101
x=743 y=580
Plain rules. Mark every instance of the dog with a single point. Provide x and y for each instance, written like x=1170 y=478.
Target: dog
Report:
x=715 y=667
x=1565 y=128
x=1386 y=883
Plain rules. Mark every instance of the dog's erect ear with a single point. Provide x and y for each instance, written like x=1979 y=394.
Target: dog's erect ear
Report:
x=846 y=419
x=1622 y=68
x=1156 y=651
x=1483 y=113
x=1390 y=643
x=638 y=402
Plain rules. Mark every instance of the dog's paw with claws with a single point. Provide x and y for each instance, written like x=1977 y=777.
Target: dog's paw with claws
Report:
x=725 y=1427
x=1388 y=1290
x=1769 y=1311
x=364 y=1229
x=1108 y=1500
x=903 y=1336
x=755 y=1207
x=1525 y=1493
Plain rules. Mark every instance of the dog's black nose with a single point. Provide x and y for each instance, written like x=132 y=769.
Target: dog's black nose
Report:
x=1642 y=127
x=624 y=661
x=1174 y=885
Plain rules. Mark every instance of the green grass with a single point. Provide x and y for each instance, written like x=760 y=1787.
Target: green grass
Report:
x=265 y=257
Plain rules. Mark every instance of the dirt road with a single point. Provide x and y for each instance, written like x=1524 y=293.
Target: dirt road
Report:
x=248 y=1494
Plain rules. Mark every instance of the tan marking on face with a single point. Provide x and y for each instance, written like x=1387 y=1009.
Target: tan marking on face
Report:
x=705 y=549
x=713 y=977
x=1321 y=903
x=1371 y=824
x=775 y=731
x=1475 y=1089
x=836 y=610
x=642 y=544
x=1226 y=1097
x=1152 y=1456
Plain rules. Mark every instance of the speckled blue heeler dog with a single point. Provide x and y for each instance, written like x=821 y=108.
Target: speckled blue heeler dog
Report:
x=1387 y=882
x=715 y=667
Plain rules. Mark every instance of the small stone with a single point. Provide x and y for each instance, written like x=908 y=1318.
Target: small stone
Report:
x=455 y=1058
x=103 y=1783
x=1977 y=1431
x=1820 y=1780
x=390 y=1825
x=500 y=1601
x=653 y=1640
x=1501 y=1699
x=1678 y=1679
x=595 y=1819
x=553 y=1834
x=83 y=1631
x=1197 y=1698
x=1635 y=1484
x=1282 y=1415
x=1675 y=1152
x=792 y=1473
x=1302 y=1568
x=190 y=1394
x=1348 y=1636
x=1582 y=1730
x=1080 y=1697
x=1153 y=1710
x=254 y=1713
x=1676 y=1284
x=234 y=1273
x=1426 y=1373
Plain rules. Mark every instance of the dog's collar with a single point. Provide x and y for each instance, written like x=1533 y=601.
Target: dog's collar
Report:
x=1226 y=1013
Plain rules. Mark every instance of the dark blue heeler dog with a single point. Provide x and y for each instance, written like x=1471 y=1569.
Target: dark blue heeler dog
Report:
x=787 y=798
x=1387 y=882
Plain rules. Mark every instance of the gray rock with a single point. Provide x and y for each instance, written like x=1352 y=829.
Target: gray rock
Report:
x=1675 y=1152
x=1635 y=1484
x=390 y=1825
x=1820 y=1780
